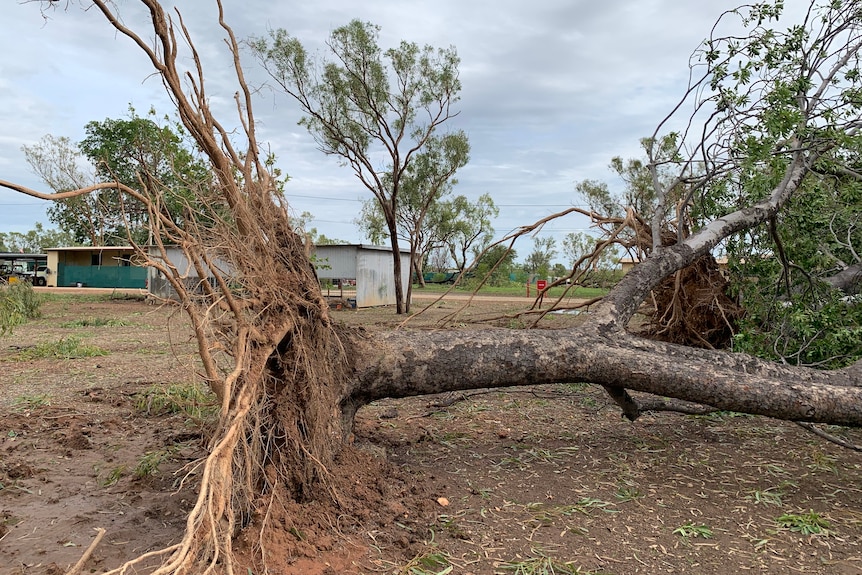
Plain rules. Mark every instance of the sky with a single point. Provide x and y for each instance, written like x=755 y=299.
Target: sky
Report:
x=551 y=91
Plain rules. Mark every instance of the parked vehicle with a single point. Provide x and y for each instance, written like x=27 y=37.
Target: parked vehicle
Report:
x=39 y=277
x=12 y=274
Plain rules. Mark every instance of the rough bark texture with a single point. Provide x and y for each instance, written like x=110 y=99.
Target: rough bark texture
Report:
x=406 y=363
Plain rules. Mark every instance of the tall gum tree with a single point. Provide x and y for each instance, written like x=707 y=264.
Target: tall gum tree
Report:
x=290 y=380
x=356 y=107
x=420 y=208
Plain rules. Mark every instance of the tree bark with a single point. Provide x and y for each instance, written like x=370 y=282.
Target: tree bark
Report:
x=396 y=266
x=847 y=280
x=409 y=363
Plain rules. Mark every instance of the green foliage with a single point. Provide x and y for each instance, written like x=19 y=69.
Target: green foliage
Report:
x=690 y=530
x=146 y=154
x=494 y=267
x=18 y=304
x=787 y=278
x=31 y=402
x=818 y=328
x=35 y=241
x=64 y=348
x=538 y=262
x=378 y=112
x=641 y=185
x=423 y=219
x=577 y=245
x=786 y=272
x=114 y=476
x=628 y=493
x=806 y=523
x=151 y=461
x=771 y=495
x=469 y=227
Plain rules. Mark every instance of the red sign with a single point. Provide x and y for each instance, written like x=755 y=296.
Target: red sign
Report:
x=541 y=284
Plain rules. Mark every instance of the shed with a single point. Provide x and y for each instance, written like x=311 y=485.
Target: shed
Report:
x=159 y=286
x=95 y=266
x=369 y=267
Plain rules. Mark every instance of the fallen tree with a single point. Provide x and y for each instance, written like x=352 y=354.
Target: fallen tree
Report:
x=290 y=380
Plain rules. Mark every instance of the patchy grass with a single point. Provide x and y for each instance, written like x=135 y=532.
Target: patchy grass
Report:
x=18 y=304
x=191 y=399
x=805 y=523
x=79 y=298
x=64 y=348
x=149 y=464
x=430 y=563
x=95 y=322
x=31 y=402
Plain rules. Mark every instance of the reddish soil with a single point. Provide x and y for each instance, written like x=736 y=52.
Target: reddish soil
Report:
x=545 y=480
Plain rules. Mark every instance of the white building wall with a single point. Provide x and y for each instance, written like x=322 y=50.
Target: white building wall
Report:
x=370 y=266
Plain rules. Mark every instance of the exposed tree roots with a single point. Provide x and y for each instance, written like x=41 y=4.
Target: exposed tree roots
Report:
x=692 y=307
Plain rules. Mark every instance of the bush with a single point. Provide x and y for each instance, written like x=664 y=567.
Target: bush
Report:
x=18 y=304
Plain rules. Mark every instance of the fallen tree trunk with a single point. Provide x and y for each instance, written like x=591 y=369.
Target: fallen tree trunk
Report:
x=408 y=363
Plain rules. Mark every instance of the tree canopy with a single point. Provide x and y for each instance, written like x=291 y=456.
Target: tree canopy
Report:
x=138 y=152
x=366 y=101
x=34 y=241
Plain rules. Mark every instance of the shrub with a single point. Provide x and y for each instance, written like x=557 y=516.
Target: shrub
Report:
x=18 y=304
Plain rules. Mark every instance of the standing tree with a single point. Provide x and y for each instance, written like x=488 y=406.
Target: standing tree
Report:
x=358 y=108
x=538 y=261
x=290 y=380
x=60 y=165
x=420 y=213
x=495 y=264
x=471 y=230
x=142 y=154
x=123 y=151
x=452 y=229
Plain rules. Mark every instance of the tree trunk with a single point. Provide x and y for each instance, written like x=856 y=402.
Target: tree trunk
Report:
x=396 y=264
x=409 y=363
x=419 y=269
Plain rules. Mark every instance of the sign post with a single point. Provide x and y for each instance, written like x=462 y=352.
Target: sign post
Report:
x=540 y=287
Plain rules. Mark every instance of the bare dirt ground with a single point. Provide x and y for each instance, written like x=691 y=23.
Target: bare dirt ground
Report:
x=528 y=480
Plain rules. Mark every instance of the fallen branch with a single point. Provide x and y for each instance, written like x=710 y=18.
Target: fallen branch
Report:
x=828 y=436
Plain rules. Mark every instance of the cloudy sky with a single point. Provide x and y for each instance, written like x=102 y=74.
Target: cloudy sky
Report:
x=552 y=90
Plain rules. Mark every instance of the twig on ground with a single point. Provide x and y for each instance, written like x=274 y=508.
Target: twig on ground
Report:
x=79 y=566
x=828 y=436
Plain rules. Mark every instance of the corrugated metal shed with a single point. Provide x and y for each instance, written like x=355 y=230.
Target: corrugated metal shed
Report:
x=159 y=286
x=370 y=266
